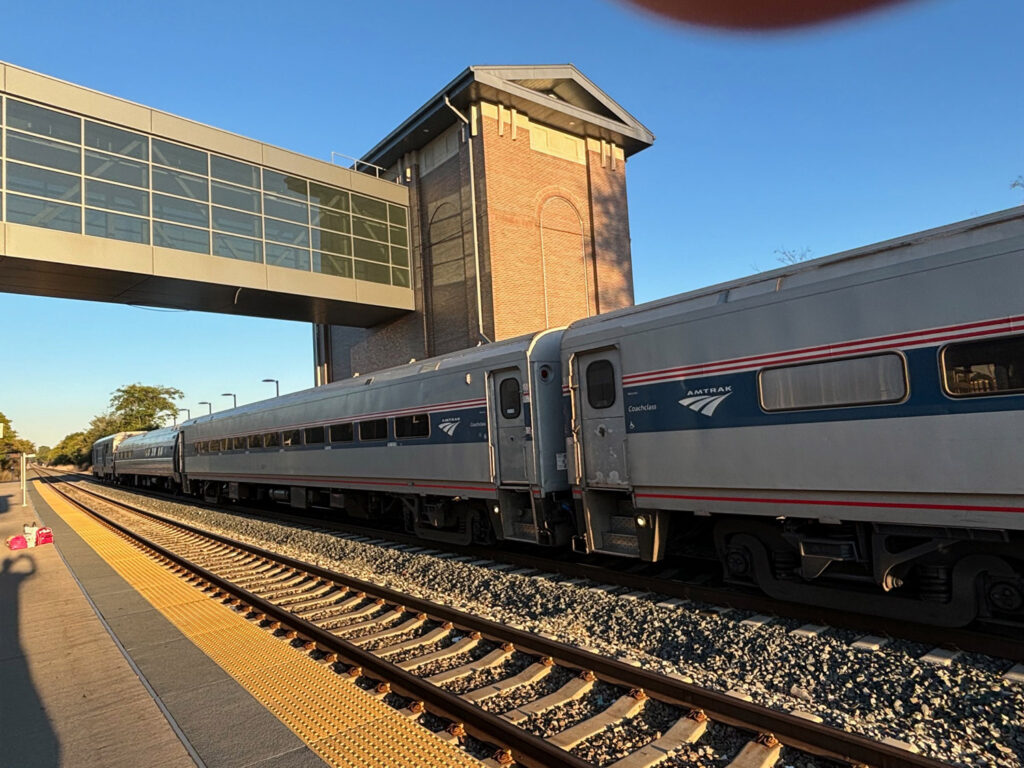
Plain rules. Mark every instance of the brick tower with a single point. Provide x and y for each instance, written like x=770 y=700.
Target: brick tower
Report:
x=517 y=182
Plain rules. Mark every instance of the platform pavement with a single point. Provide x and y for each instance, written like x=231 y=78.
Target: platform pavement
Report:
x=70 y=698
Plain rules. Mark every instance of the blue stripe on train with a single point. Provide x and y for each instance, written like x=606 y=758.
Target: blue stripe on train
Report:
x=731 y=400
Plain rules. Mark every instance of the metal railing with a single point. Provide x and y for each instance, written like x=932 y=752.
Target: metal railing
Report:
x=354 y=163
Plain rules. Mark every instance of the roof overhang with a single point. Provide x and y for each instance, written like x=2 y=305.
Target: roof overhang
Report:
x=559 y=96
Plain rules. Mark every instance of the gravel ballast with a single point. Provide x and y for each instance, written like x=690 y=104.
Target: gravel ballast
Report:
x=965 y=714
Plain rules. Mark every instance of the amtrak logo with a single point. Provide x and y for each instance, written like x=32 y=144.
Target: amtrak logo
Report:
x=705 y=401
x=449 y=427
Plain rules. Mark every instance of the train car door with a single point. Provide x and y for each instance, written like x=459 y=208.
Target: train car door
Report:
x=178 y=460
x=512 y=434
x=600 y=428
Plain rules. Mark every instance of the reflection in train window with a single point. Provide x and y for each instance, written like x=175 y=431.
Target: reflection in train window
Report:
x=341 y=433
x=869 y=380
x=510 y=397
x=601 y=384
x=314 y=435
x=417 y=425
x=255 y=441
x=374 y=429
x=272 y=440
x=986 y=367
x=291 y=437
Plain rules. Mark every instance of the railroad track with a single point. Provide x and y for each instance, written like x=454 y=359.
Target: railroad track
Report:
x=1000 y=641
x=540 y=702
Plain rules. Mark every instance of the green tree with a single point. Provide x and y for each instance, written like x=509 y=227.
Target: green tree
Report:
x=103 y=425
x=142 y=407
x=43 y=453
x=73 y=449
x=10 y=446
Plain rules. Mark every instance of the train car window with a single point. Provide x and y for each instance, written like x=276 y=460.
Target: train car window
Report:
x=199 y=448
x=510 y=398
x=291 y=437
x=255 y=441
x=871 y=380
x=342 y=433
x=601 y=384
x=417 y=425
x=314 y=435
x=986 y=367
x=272 y=440
x=374 y=429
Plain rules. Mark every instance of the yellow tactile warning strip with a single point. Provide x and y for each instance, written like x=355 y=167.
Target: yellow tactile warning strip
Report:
x=335 y=718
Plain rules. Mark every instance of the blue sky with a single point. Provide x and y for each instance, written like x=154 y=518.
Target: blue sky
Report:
x=820 y=139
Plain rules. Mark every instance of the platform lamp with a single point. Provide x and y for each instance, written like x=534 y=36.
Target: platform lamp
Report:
x=277 y=386
x=188 y=414
x=233 y=396
x=208 y=404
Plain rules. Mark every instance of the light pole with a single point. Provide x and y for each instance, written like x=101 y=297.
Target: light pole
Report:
x=188 y=414
x=24 y=477
x=208 y=404
x=233 y=396
x=277 y=386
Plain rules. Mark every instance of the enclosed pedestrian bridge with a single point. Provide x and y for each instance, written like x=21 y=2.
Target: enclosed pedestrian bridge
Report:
x=108 y=200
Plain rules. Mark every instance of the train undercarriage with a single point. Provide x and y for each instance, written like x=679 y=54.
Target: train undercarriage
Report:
x=940 y=576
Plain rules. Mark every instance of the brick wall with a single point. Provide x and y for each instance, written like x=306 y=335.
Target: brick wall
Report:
x=553 y=233
x=544 y=235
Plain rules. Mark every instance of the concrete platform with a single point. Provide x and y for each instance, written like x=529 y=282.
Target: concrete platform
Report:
x=68 y=696
x=104 y=678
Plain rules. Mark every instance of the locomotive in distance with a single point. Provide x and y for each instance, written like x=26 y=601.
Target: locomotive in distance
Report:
x=847 y=428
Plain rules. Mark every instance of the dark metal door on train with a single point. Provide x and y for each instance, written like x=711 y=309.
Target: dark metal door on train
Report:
x=513 y=436
x=600 y=428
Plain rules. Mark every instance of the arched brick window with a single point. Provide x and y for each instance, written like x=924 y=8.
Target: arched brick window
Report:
x=563 y=261
x=447 y=279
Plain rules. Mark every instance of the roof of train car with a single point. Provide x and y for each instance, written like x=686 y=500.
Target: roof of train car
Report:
x=807 y=273
x=110 y=438
x=161 y=436
x=458 y=360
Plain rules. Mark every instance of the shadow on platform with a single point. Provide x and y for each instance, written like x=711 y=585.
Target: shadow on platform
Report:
x=26 y=736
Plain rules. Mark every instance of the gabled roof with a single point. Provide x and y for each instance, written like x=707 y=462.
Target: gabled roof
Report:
x=558 y=95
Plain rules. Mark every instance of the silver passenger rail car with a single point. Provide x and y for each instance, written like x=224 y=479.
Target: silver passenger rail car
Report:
x=851 y=421
x=149 y=459
x=103 y=454
x=464 y=447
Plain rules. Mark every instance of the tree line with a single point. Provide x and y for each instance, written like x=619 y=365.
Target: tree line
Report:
x=133 y=408
x=11 y=448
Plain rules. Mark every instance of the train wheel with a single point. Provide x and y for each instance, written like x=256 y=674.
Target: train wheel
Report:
x=1005 y=596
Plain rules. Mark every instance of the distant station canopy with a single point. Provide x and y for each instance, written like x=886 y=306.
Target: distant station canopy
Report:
x=107 y=200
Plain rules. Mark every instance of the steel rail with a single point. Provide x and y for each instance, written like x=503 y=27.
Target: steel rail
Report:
x=957 y=638
x=527 y=749
x=798 y=732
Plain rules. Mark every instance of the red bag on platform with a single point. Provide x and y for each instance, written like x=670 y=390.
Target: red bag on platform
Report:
x=44 y=536
x=17 y=542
